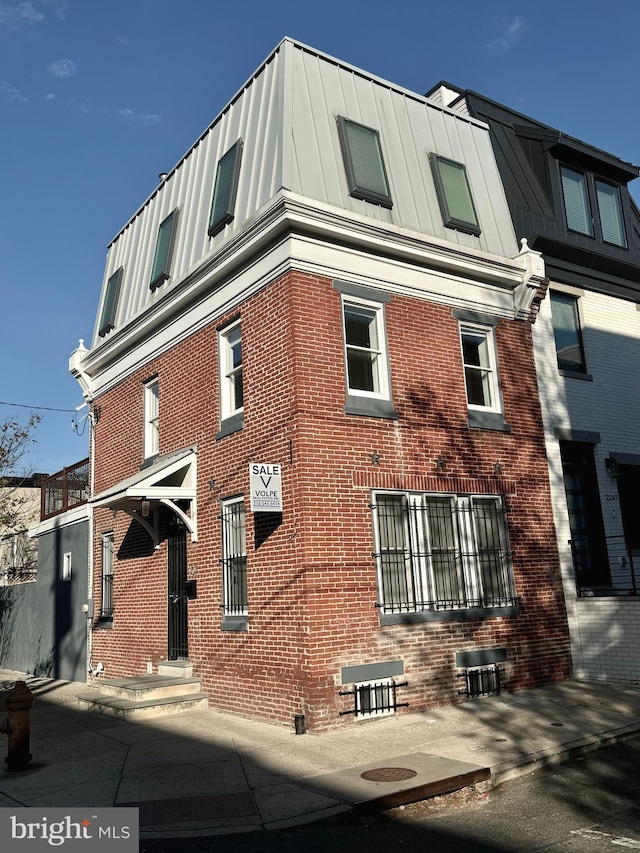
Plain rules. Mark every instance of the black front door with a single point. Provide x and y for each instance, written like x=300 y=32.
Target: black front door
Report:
x=629 y=492
x=177 y=622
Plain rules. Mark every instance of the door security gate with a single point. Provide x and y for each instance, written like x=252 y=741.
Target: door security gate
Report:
x=177 y=622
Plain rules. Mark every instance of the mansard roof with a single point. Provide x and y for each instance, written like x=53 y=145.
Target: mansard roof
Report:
x=530 y=156
x=286 y=116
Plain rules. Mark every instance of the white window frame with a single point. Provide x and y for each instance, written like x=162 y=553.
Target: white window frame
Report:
x=66 y=566
x=379 y=352
x=151 y=418
x=489 y=370
x=378 y=684
x=227 y=339
x=234 y=547
x=420 y=567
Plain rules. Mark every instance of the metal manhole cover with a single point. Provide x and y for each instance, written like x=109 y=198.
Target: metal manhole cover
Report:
x=388 y=774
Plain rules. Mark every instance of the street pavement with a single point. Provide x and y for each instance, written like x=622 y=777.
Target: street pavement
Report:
x=207 y=772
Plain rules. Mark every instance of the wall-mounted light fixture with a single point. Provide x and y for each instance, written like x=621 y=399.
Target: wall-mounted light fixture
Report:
x=145 y=508
x=612 y=466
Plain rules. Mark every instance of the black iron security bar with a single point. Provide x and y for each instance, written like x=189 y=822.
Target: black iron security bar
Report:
x=369 y=699
x=442 y=552
x=484 y=681
x=609 y=571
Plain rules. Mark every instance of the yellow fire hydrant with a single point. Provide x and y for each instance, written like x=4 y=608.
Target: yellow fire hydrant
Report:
x=19 y=702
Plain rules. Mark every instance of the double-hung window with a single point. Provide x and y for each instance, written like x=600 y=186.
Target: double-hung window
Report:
x=480 y=365
x=480 y=372
x=106 y=594
x=364 y=342
x=454 y=195
x=110 y=304
x=234 y=558
x=441 y=553
x=365 y=349
x=225 y=189
x=231 y=384
x=567 y=332
x=164 y=250
x=363 y=162
x=151 y=418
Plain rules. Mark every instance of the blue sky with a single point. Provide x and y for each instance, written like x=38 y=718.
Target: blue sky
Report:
x=99 y=96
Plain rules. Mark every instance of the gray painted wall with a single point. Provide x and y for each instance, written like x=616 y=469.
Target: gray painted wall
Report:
x=43 y=630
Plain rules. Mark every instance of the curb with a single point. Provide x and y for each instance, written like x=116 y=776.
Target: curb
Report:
x=555 y=755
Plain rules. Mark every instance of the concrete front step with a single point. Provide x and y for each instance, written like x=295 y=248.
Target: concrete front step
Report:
x=142 y=687
x=143 y=709
x=175 y=668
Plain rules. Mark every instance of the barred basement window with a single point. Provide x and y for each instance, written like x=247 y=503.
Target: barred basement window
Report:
x=374 y=699
x=441 y=552
x=482 y=681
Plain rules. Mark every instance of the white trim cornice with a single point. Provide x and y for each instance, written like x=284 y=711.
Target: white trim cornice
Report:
x=294 y=232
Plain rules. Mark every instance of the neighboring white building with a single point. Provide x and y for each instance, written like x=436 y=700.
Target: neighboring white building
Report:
x=19 y=553
x=572 y=203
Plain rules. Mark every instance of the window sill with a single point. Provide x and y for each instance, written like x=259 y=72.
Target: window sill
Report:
x=411 y=618
x=230 y=425
x=149 y=460
x=575 y=374
x=104 y=622
x=234 y=623
x=370 y=408
x=464 y=227
x=487 y=420
x=372 y=197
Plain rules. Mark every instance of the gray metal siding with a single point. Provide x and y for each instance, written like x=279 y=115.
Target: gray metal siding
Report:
x=43 y=630
x=286 y=115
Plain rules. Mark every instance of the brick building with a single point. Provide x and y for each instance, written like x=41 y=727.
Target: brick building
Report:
x=572 y=202
x=328 y=285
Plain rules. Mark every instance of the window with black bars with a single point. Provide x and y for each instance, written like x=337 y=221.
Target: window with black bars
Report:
x=372 y=699
x=106 y=602
x=234 y=558
x=441 y=552
x=482 y=681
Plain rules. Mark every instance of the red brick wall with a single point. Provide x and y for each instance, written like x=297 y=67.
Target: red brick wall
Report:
x=311 y=583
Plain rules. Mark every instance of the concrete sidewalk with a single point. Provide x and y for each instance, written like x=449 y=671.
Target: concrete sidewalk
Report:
x=206 y=772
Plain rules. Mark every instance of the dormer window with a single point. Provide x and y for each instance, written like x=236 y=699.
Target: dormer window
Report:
x=454 y=195
x=610 y=210
x=110 y=304
x=164 y=250
x=582 y=193
x=225 y=189
x=363 y=162
x=576 y=201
